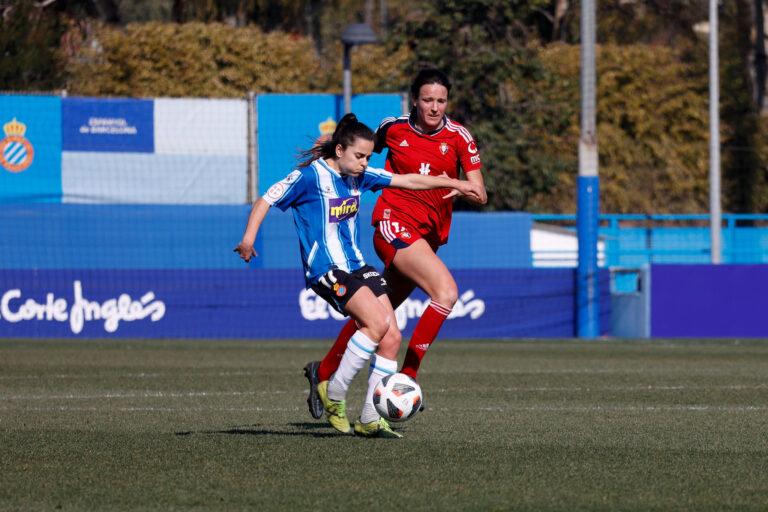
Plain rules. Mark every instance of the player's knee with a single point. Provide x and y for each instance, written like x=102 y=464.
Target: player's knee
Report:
x=390 y=343
x=379 y=327
x=446 y=295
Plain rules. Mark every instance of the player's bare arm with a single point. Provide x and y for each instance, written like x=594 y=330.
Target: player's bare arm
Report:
x=419 y=182
x=245 y=247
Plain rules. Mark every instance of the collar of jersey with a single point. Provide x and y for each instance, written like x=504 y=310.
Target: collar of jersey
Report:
x=419 y=130
x=322 y=162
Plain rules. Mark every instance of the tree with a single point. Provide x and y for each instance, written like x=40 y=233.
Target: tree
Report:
x=744 y=147
x=29 y=57
x=480 y=44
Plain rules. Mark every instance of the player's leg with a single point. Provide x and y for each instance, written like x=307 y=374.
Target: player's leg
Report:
x=419 y=263
x=400 y=287
x=383 y=363
x=411 y=261
x=373 y=319
x=369 y=314
x=330 y=362
x=319 y=371
x=316 y=372
x=349 y=294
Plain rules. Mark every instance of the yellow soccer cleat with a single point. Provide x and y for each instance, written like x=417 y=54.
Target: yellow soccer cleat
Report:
x=335 y=410
x=379 y=428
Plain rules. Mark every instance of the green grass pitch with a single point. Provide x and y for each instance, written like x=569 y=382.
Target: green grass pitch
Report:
x=523 y=425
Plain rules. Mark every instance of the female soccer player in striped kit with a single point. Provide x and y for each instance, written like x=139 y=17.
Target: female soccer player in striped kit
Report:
x=325 y=197
x=412 y=225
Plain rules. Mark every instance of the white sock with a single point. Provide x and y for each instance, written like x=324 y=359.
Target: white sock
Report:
x=359 y=350
x=380 y=368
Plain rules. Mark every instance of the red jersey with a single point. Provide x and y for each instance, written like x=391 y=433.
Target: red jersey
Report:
x=414 y=151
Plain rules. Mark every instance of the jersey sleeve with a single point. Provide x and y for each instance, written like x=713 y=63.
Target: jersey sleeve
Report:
x=381 y=134
x=286 y=192
x=375 y=179
x=469 y=155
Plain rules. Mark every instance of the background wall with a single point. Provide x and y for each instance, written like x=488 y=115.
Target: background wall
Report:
x=716 y=301
x=125 y=222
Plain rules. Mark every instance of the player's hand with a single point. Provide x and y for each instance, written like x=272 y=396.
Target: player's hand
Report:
x=474 y=192
x=465 y=189
x=462 y=191
x=454 y=192
x=246 y=251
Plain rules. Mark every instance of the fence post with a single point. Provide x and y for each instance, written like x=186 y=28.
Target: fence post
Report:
x=253 y=149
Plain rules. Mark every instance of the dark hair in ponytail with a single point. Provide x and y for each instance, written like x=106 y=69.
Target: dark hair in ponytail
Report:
x=347 y=131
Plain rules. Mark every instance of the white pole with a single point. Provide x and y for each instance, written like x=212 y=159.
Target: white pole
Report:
x=715 y=213
x=347 y=78
x=253 y=149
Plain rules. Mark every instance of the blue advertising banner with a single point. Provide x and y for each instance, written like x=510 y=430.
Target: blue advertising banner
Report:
x=261 y=304
x=78 y=236
x=289 y=123
x=30 y=149
x=202 y=237
x=99 y=124
x=478 y=240
x=709 y=301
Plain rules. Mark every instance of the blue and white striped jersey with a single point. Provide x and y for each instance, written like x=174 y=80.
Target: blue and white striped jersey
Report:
x=325 y=206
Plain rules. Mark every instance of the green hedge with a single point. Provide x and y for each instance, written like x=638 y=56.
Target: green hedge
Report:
x=652 y=106
x=217 y=60
x=652 y=123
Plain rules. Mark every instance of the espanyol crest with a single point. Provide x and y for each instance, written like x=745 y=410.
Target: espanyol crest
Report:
x=16 y=152
x=443 y=147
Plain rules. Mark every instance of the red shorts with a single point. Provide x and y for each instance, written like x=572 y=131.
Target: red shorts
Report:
x=391 y=235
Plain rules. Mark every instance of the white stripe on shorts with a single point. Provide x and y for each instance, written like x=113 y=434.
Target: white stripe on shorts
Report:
x=386 y=231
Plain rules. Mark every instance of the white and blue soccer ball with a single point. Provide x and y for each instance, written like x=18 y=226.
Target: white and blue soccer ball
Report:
x=397 y=397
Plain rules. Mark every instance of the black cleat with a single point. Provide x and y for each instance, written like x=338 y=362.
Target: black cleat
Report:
x=313 y=400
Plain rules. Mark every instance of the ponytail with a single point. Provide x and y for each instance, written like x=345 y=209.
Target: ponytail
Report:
x=347 y=131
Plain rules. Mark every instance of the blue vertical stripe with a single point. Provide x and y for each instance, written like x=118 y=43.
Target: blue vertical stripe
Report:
x=587 y=292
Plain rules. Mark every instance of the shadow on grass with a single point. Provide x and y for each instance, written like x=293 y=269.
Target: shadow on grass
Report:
x=299 y=429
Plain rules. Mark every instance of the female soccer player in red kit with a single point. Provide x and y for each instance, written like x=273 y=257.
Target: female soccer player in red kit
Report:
x=410 y=225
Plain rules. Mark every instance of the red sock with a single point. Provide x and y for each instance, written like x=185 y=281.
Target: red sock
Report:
x=423 y=336
x=331 y=361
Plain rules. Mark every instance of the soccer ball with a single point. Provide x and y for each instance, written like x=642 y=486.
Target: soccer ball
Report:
x=397 y=397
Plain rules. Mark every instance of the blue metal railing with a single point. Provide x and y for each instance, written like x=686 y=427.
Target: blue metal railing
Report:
x=633 y=240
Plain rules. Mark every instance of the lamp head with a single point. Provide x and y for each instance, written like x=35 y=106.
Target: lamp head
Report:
x=358 y=33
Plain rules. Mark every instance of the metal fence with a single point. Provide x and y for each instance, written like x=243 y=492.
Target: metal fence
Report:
x=635 y=240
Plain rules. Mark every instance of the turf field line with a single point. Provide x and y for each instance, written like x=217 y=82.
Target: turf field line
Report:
x=148 y=394
x=626 y=408
x=86 y=376
x=733 y=387
x=65 y=408
x=141 y=375
x=534 y=389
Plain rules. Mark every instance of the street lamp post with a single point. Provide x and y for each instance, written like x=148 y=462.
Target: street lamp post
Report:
x=353 y=35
